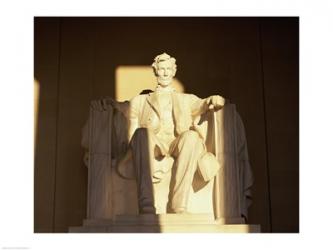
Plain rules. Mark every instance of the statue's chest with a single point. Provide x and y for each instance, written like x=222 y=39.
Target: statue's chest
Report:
x=164 y=101
x=165 y=105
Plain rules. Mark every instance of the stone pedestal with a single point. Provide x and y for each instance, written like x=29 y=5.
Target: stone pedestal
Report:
x=166 y=223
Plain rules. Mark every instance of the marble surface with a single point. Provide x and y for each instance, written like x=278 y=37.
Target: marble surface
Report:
x=165 y=153
x=166 y=223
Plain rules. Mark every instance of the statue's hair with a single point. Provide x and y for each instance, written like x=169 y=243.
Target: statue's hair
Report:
x=161 y=58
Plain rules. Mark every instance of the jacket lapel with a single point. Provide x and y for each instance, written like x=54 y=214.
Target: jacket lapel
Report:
x=177 y=113
x=153 y=102
x=175 y=106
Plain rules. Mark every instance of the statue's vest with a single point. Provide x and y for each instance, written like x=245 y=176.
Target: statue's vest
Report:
x=151 y=113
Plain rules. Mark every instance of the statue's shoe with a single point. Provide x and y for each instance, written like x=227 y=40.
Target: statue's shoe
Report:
x=179 y=210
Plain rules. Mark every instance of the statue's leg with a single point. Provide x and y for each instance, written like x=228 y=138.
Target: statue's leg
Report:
x=187 y=150
x=143 y=146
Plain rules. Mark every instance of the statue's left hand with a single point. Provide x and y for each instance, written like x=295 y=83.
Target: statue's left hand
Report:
x=215 y=102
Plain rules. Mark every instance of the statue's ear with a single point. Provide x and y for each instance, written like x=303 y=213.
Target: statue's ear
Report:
x=174 y=72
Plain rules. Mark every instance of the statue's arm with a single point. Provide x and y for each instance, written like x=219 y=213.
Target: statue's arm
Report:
x=200 y=106
x=107 y=102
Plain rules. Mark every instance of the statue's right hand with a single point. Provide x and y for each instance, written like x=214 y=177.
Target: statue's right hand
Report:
x=96 y=105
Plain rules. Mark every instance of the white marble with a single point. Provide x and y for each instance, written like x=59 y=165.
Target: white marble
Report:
x=166 y=152
x=166 y=223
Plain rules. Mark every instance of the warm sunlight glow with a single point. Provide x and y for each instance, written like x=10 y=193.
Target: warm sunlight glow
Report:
x=131 y=80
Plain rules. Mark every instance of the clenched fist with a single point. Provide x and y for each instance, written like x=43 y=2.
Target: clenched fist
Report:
x=215 y=102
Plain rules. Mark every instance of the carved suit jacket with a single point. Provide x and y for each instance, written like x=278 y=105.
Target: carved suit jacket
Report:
x=228 y=141
x=145 y=111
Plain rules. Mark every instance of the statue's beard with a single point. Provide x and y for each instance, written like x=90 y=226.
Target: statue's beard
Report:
x=164 y=82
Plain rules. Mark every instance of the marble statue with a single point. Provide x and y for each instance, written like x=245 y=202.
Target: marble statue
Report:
x=161 y=126
x=166 y=152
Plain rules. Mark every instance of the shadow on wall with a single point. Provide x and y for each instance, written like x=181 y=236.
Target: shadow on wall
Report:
x=76 y=60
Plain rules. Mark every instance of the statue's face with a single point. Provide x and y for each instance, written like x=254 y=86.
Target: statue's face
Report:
x=165 y=73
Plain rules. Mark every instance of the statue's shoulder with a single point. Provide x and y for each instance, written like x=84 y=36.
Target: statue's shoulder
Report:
x=139 y=98
x=183 y=95
x=187 y=97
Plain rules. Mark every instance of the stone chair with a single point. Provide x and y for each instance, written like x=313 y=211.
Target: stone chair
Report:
x=112 y=192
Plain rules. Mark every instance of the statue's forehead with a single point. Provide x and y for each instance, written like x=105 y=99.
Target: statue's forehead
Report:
x=166 y=63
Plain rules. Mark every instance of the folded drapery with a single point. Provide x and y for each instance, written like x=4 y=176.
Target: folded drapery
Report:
x=105 y=139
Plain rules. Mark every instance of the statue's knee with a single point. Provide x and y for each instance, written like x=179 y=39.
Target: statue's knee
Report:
x=190 y=136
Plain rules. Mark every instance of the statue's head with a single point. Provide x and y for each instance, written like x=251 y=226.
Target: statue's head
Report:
x=164 y=68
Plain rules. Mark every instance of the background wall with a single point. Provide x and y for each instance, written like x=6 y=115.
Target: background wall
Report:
x=251 y=61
